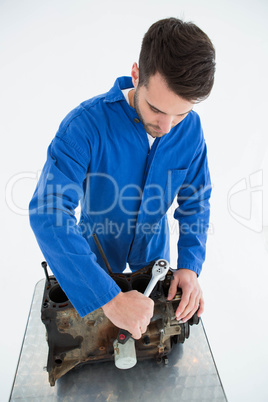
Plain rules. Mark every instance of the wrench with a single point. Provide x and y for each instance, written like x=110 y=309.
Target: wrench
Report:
x=159 y=272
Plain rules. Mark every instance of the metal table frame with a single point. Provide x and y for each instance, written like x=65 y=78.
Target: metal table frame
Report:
x=190 y=375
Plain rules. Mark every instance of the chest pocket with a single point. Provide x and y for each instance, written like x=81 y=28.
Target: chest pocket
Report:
x=175 y=179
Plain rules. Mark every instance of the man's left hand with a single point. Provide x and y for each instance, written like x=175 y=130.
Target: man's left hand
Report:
x=192 y=297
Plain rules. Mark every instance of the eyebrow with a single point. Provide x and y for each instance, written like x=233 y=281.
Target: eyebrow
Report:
x=160 y=111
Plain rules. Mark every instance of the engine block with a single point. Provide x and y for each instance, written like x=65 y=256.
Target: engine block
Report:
x=75 y=341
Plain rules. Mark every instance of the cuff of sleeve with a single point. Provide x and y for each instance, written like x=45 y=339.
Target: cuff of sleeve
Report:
x=98 y=302
x=192 y=267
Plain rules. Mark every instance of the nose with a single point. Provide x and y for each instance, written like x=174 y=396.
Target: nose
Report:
x=165 y=123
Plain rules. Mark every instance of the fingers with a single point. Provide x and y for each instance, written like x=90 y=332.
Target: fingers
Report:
x=192 y=297
x=172 y=290
x=131 y=311
x=191 y=301
x=136 y=334
x=139 y=326
x=138 y=331
x=201 y=307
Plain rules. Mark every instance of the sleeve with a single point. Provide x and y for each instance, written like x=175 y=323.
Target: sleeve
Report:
x=52 y=218
x=193 y=212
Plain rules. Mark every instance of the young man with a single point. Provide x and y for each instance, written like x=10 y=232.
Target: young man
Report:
x=124 y=156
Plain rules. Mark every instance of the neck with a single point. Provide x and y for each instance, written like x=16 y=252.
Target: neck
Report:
x=131 y=97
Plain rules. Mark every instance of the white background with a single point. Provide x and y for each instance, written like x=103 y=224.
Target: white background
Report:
x=55 y=54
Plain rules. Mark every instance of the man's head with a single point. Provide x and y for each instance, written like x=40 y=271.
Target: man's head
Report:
x=184 y=56
x=176 y=70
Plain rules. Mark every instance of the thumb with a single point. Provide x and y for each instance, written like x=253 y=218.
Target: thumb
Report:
x=172 y=290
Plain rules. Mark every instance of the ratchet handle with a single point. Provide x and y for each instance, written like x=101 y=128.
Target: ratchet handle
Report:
x=123 y=336
x=159 y=272
x=150 y=286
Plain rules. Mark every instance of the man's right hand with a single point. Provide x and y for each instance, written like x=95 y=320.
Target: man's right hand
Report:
x=131 y=311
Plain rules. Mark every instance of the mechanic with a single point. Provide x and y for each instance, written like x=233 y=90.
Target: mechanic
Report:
x=124 y=156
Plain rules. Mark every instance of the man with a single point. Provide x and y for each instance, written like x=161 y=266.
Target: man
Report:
x=124 y=156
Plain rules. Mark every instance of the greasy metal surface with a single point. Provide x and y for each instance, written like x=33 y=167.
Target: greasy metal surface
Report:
x=74 y=340
x=190 y=374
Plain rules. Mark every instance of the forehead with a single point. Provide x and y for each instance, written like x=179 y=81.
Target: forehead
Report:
x=158 y=94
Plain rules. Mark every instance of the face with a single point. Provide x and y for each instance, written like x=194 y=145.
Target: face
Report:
x=159 y=108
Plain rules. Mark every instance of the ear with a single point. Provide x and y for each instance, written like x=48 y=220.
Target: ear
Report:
x=135 y=75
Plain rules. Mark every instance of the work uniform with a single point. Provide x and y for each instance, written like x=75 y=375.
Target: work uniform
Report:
x=101 y=158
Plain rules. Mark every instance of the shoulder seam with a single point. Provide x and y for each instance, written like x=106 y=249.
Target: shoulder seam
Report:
x=75 y=146
x=83 y=109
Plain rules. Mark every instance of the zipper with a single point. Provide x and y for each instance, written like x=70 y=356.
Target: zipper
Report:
x=149 y=160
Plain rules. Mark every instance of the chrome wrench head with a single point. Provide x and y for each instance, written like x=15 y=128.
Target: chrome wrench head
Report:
x=160 y=269
x=159 y=272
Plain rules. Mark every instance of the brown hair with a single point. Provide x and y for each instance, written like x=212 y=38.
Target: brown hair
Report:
x=183 y=54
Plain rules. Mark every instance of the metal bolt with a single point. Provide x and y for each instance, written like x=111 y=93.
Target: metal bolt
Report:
x=146 y=340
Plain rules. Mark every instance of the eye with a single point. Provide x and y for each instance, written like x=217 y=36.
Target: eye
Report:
x=181 y=116
x=154 y=110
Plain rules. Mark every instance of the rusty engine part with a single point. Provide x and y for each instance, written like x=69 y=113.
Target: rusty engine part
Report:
x=75 y=341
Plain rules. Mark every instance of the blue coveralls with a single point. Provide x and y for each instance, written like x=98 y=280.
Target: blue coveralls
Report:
x=100 y=157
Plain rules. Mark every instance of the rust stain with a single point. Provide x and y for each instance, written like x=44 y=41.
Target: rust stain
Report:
x=97 y=333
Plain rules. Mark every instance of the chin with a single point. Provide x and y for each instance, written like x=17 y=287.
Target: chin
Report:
x=153 y=133
x=156 y=134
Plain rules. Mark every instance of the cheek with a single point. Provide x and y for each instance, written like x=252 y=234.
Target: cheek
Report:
x=148 y=115
x=178 y=120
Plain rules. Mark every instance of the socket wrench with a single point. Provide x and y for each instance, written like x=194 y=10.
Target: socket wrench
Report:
x=159 y=271
x=124 y=345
